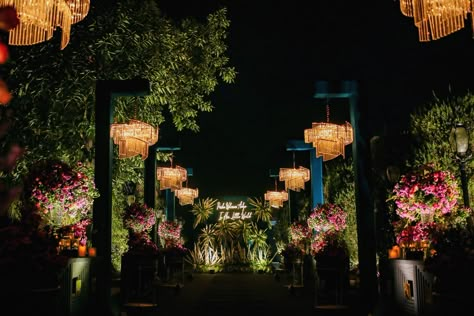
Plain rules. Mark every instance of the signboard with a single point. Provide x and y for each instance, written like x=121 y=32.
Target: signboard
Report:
x=232 y=209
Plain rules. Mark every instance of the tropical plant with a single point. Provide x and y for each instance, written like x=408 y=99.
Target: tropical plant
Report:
x=261 y=210
x=226 y=232
x=202 y=210
x=257 y=237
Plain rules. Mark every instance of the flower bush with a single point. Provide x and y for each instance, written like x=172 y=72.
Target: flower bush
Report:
x=62 y=194
x=139 y=218
x=425 y=193
x=327 y=221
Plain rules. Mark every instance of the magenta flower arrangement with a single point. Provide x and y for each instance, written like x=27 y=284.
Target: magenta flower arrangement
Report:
x=62 y=194
x=141 y=244
x=417 y=233
x=291 y=252
x=139 y=218
x=170 y=233
x=327 y=221
x=426 y=202
x=78 y=230
x=299 y=232
x=425 y=193
x=327 y=217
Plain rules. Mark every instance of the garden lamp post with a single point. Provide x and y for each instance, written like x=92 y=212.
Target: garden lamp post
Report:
x=461 y=137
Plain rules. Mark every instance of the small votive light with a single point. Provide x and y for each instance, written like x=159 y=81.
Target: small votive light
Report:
x=81 y=251
x=92 y=252
x=394 y=252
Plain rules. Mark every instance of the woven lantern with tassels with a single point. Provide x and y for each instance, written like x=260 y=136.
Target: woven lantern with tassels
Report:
x=40 y=18
x=133 y=138
x=171 y=178
x=294 y=178
x=329 y=139
x=276 y=198
x=437 y=18
x=186 y=196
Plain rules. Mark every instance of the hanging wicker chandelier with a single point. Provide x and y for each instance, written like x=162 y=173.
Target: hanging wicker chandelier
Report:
x=171 y=178
x=329 y=139
x=186 y=195
x=437 y=18
x=276 y=198
x=40 y=18
x=133 y=138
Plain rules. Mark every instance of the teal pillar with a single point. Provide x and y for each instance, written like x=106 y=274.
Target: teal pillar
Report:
x=169 y=205
x=169 y=195
x=316 y=170
x=105 y=92
x=364 y=201
x=150 y=184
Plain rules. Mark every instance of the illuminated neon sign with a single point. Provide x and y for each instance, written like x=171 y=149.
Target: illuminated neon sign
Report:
x=232 y=211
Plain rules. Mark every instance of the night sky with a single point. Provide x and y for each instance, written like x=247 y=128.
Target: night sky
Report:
x=280 y=49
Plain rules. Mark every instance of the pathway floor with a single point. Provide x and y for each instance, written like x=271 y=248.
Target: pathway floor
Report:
x=242 y=294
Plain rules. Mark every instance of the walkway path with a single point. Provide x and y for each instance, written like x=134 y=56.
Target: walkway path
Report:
x=242 y=294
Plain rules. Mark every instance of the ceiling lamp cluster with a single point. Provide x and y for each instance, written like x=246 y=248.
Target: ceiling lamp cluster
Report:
x=40 y=18
x=437 y=18
x=133 y=138
x=329 y=139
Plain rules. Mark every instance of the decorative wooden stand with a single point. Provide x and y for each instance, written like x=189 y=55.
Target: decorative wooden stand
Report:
x=412 y=286
x=138 y=278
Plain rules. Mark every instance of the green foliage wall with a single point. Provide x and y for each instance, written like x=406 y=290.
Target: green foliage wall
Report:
x=339 y=184
x=54 y=90
x=431 y=126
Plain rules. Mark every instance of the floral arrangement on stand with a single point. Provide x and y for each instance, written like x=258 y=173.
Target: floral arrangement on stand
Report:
x=62 y=195
x=299 y=237
x=426 y=204
x=327 y=222
x=169 y=233
x=139 y=219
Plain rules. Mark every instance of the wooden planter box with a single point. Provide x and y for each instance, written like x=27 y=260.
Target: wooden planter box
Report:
x=412 y=287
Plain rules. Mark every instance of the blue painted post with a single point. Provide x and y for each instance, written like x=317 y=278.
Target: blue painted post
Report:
x=169 y=196
x=169 y=205
x=364 y=200
x=316 y=170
